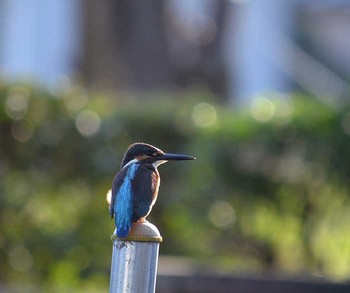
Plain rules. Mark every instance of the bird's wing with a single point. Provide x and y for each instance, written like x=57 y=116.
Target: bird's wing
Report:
x=123 y=205
x=117 y=182
x=145 y=192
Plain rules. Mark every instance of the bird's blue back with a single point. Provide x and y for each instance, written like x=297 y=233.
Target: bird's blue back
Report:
x=134 y=190
x=123 y=207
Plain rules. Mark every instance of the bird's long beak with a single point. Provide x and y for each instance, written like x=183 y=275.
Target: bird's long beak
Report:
x=175 y=157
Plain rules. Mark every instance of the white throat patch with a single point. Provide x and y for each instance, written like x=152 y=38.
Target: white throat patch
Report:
x=157 y=163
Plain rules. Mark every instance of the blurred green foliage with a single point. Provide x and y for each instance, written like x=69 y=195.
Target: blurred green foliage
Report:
x=269 y=190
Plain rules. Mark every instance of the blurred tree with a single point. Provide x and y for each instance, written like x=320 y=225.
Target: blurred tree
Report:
x=268 y=192
x=143 y=45
x=126 y=44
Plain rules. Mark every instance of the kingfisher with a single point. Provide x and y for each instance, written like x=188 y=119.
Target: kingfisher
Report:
x=135 y=186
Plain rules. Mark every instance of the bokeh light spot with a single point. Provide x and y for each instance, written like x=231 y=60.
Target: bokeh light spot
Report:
x=88 y=122
x=221 y=214
x=22 y=130
x=262 y=109
x=204 y=115
x=75 y=99
x=20 y=259
x=17 y=102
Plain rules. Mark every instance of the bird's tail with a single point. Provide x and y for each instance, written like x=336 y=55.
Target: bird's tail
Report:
x=123 y=232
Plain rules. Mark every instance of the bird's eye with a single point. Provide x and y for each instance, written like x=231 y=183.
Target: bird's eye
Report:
x=150 y=154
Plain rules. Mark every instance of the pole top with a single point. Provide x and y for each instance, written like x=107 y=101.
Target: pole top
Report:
x=141 y=231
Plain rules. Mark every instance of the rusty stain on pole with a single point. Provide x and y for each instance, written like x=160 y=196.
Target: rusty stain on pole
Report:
x=135 y=260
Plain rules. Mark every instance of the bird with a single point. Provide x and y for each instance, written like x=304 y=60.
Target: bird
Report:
x=135 y=186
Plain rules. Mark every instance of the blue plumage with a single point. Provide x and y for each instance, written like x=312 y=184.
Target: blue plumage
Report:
x=123 y=208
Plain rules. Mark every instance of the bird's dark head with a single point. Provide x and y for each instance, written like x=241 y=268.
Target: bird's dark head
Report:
x=150 y=154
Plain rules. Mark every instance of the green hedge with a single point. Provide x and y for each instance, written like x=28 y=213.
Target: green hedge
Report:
x=268 y=191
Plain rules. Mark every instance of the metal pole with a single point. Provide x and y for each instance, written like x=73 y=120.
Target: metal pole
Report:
x=135 y=260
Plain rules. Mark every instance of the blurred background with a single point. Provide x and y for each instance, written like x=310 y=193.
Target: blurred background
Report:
x=257 y=90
